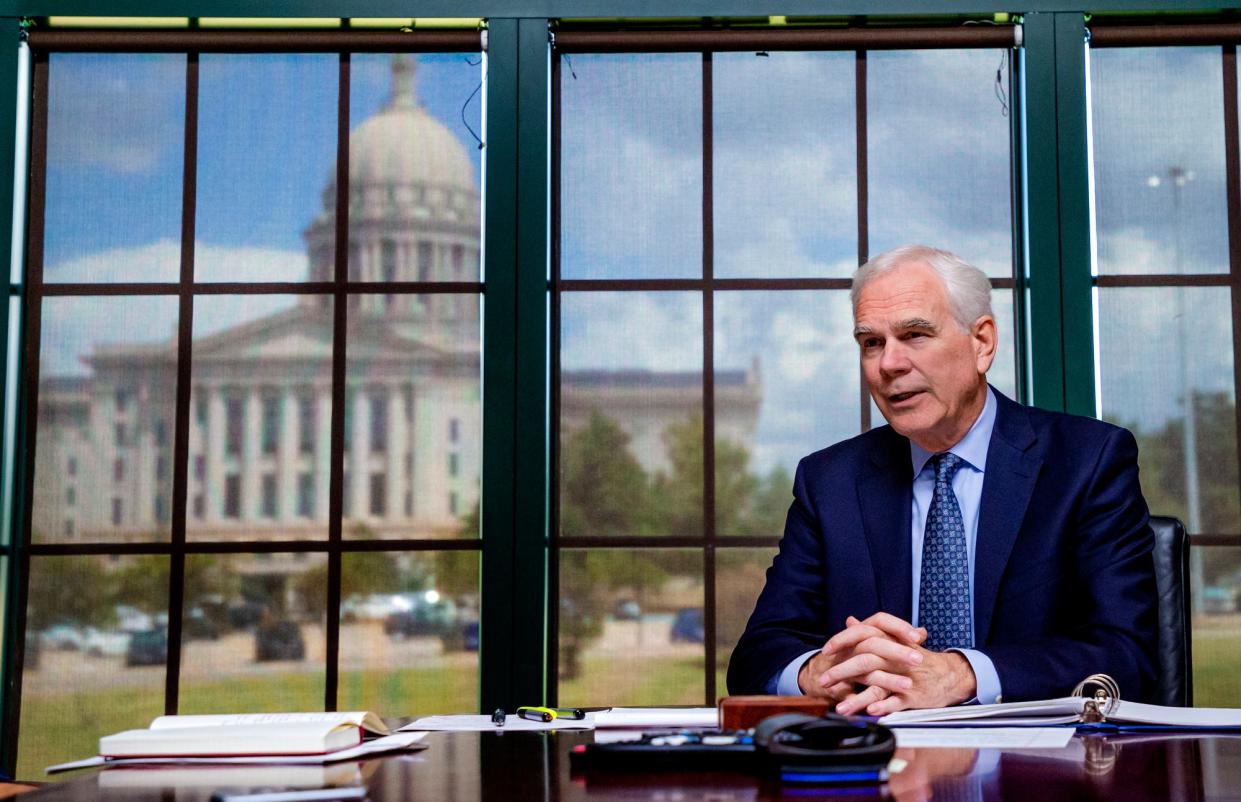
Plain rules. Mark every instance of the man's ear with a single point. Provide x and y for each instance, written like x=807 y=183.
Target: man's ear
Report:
x=986 y=339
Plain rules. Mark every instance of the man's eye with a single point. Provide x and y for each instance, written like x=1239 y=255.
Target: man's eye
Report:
x=871 y=342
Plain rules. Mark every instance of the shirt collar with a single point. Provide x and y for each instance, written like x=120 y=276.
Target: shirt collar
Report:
x=972 y=448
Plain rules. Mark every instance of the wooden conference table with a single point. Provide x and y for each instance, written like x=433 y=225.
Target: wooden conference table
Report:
x=524 y=765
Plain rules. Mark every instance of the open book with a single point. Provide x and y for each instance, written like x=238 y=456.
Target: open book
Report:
x=243 y=734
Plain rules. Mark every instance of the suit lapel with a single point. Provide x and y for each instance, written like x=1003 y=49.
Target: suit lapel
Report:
x=1007 y=485
x=884 y=489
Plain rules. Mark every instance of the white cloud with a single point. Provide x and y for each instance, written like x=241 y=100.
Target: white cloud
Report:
x=73 y=327
x=631 y=330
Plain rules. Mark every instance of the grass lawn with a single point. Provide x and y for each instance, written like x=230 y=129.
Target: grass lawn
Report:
x=1217 y=671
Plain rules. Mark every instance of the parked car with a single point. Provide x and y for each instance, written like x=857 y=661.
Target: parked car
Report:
x=687 y=626
x=62 y=638
x=147 y=648
x=105 y=643
x=627 y=610
x=279 y=640
x=469 y=636
x=199 y=625
x=427 y=614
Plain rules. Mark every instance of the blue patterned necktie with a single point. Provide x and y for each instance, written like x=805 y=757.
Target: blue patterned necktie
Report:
x=944 y=592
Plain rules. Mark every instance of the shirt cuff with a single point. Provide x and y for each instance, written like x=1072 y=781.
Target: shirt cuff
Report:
x=986 y=679
x=785 y=683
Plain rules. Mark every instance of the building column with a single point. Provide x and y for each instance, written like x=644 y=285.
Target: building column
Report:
x=252 y=440
x=397 y=448
x=323 y=451
x=216 y=439
x=286 y=455
x=359 y=456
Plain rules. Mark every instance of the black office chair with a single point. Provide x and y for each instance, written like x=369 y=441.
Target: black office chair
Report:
x=1176 y=677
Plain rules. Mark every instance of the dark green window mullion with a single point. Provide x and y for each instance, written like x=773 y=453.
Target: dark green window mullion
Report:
x=10 y=43
x=515 y=382
x=1057 y=209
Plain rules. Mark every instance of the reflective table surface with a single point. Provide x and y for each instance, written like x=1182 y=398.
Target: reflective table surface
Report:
x=467 y=766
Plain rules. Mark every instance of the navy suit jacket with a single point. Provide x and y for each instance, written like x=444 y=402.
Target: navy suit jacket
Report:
x=1064 y=582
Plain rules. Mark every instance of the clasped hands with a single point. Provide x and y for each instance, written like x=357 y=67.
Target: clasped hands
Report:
x=879 y=666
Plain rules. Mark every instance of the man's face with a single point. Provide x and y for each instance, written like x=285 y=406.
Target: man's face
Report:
x=926 y=373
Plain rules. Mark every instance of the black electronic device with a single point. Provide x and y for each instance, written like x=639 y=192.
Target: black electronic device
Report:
x=793 y=746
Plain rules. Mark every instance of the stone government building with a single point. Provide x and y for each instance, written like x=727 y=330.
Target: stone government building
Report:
x=260 y=419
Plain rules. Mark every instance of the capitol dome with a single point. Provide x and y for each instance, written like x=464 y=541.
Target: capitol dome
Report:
x=403 y=145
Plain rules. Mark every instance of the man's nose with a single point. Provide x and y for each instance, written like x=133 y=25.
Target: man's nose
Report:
x=894 y=360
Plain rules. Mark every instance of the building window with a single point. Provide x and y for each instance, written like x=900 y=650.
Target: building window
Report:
x=120 y=435
x=379 y=495
x=122 y=400
x=271 y=424
x=118 y=470
x=71 y=467
x=235 y=426
x=458 y=261
x=68 y=527
x=454 y=430
x=116 y=512
x=269 y=495
x=159 y=508
x=409 y=504
x=306 y=495
x=379 y=424
x=355 y=263
x=200 y=412
x=200 y=467
x=306 y=424
x=71 y=497
x=425 y=256
x=161 y=467
x=453 y=466
x=388 y=260
x=232 y=496
x=200 y=506
x=161 y=433
x=452 y=502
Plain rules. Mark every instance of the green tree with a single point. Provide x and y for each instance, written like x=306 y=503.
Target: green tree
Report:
x=71 y=590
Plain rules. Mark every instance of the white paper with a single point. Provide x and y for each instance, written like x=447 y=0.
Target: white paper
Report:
x=984 y=738
x=1138 y=713
x=388 y=743
x=512 y=723
x=637 y=717
x=1049 y=711
x=360 y=718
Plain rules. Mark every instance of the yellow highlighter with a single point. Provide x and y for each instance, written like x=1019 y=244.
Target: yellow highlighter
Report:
x=543 y=714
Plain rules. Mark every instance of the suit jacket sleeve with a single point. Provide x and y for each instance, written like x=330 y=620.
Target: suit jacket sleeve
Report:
x=789 y=616
x=1092 y=608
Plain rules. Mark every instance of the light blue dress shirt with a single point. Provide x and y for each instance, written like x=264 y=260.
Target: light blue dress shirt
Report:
x=967 y=486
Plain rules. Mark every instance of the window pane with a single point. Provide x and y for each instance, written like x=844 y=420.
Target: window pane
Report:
x=412 y=403
x=631 y=166
x=1154 y=357
x=253 y=633
x=1158 y=126
x=786 y=384
x=414 y=169
x=939 y=156
x=266 y=150
x=115 y=131
x=1217 y=633
x=107 y=396
x=739 y=577
x=631 y=627
x=1003 y=373
x=260 y=417
x=785 y=164
x=409 y=632
x=631 y=414
x=100 y=625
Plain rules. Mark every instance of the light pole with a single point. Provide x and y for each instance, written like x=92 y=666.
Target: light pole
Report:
x=1176 y=178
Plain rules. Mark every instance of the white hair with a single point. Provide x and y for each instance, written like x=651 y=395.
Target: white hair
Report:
x=968 y=288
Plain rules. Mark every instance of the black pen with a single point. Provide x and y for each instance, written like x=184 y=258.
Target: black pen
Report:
x=498 y=717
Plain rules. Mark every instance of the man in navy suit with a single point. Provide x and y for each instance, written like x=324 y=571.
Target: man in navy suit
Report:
x=973 y=549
